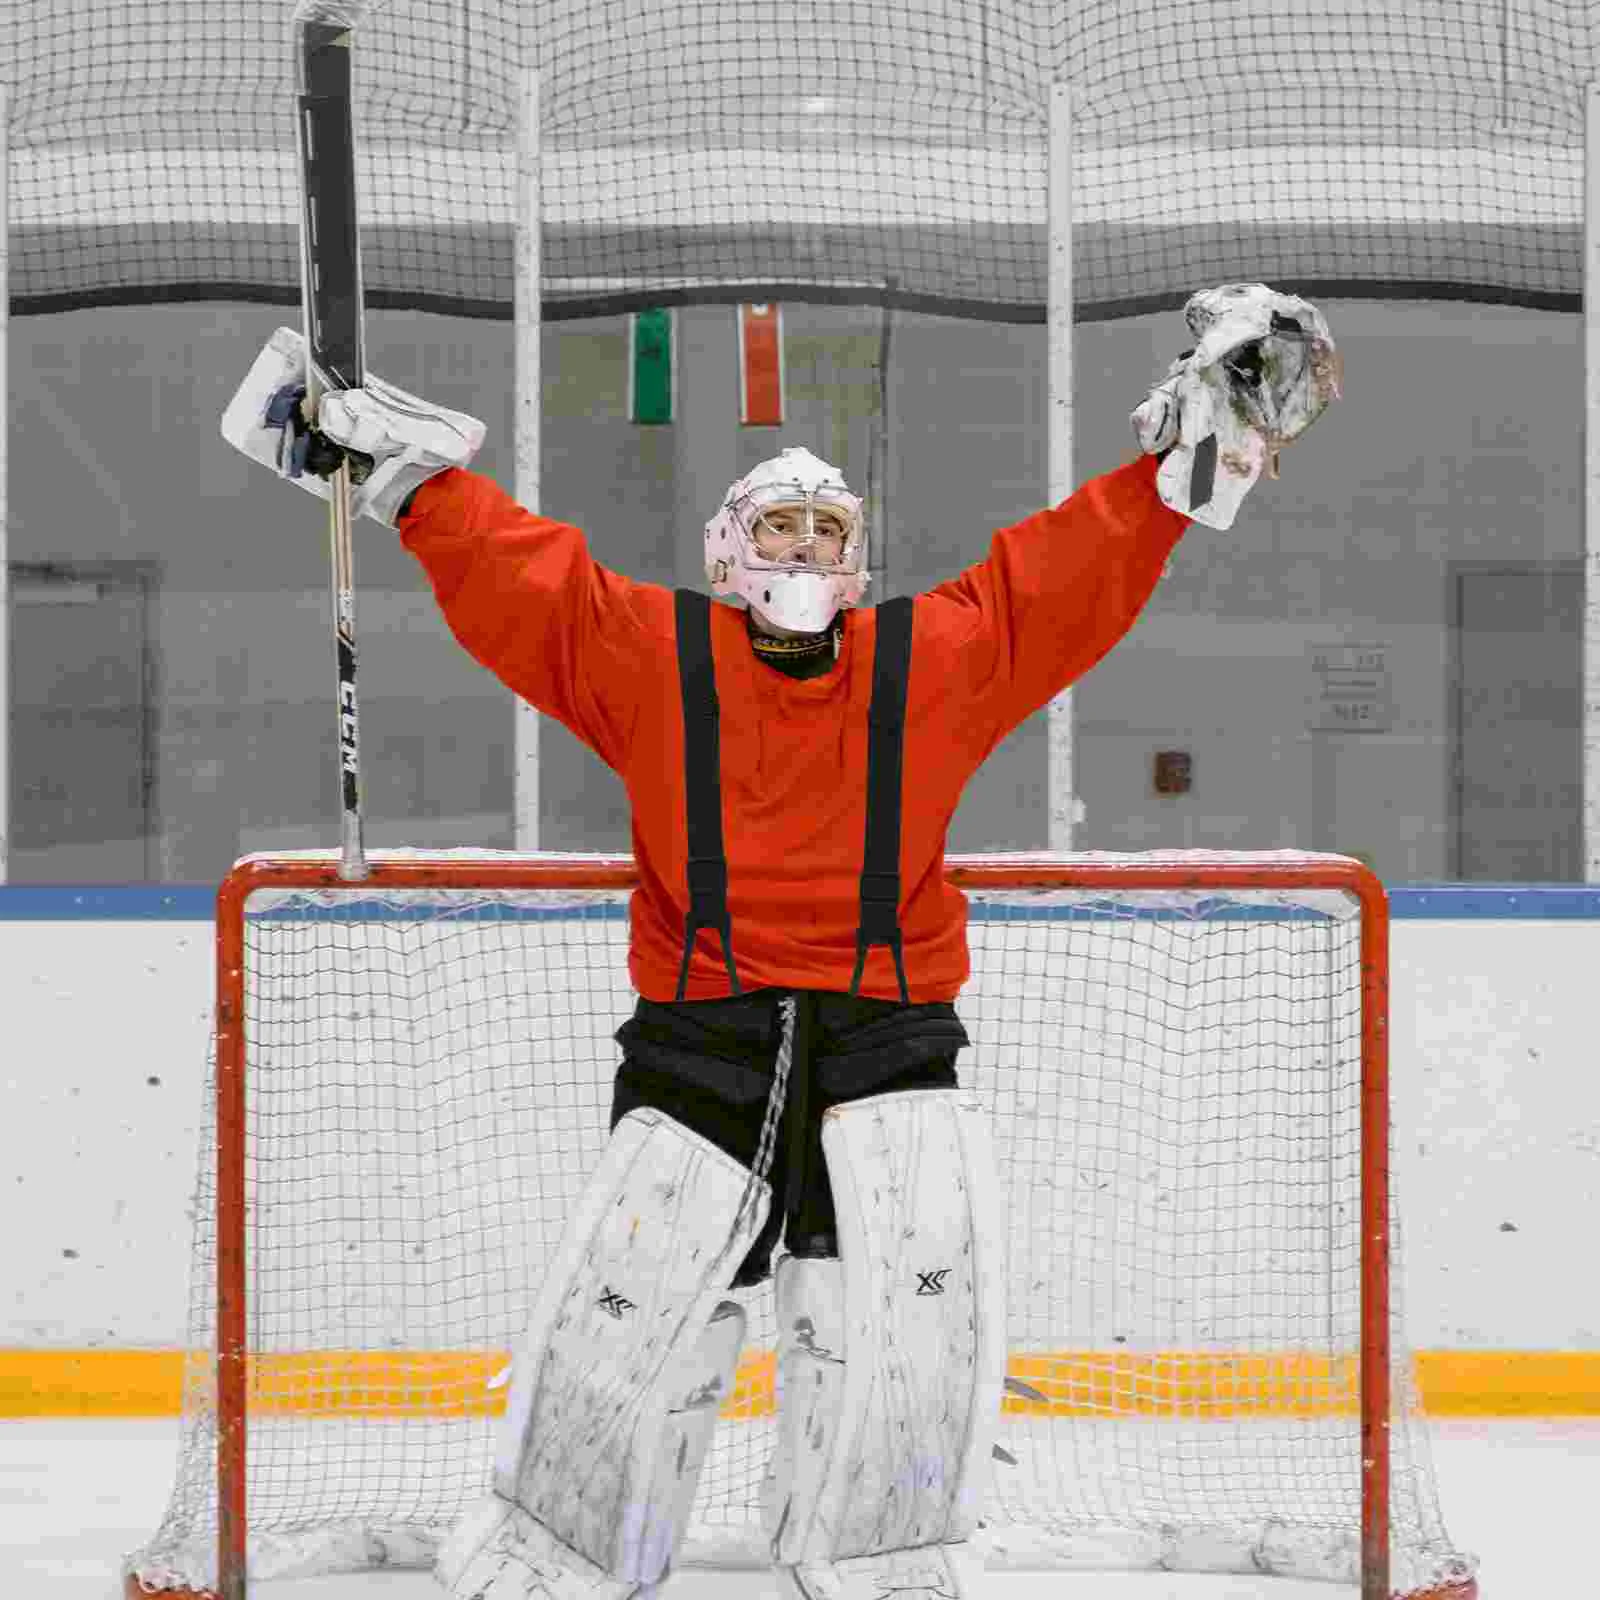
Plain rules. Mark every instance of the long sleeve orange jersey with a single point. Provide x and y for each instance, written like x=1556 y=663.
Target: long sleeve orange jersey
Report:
x=598 y=651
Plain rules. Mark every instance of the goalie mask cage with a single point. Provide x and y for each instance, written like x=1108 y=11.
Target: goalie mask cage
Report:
x=1184 y=1060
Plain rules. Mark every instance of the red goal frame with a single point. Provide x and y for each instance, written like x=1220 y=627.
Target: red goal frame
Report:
x=1178 y=871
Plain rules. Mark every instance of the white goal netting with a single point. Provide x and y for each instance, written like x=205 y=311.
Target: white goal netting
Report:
x=1174 y=1080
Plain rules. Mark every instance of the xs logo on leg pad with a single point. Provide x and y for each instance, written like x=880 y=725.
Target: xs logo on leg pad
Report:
x=615 y=1305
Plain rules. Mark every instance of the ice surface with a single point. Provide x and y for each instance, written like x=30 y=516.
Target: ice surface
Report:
x=74 y=1497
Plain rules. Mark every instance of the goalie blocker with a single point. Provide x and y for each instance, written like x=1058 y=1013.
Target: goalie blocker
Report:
x=395 y=441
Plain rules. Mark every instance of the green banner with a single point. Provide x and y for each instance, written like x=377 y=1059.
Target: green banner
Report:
x=650 y=372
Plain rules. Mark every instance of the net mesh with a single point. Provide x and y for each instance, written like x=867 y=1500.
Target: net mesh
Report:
x=702 y=150
x=1173 y=1080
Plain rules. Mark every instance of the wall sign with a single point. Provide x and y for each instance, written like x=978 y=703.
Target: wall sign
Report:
x=1351 y=688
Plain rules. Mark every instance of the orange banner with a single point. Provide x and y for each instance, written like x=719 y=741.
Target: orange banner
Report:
x=761 y=365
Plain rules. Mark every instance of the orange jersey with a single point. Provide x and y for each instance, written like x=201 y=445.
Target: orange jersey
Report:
x=598 y=651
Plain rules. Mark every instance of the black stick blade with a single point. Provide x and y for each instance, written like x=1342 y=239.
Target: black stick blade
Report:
x=331 y=242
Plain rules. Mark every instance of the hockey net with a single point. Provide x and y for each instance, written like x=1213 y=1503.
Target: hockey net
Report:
x=1183 y=1056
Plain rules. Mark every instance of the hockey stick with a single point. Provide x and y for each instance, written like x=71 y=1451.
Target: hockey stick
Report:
x=330 y=284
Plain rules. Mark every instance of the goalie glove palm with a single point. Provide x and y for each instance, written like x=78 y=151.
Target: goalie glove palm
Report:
x=393 y=441
x=1264 y=370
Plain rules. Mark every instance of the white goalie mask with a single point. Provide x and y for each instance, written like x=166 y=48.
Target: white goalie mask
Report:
x=790 y=539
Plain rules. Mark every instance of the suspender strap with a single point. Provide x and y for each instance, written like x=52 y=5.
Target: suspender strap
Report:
x=702 y=784
x=886 y=728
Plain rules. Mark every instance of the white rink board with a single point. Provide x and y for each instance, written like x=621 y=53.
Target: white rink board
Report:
x=1496 y=1107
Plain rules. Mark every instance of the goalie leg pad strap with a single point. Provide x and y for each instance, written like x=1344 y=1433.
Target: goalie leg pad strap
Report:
x=499 y=1552
x=925 y=1574
x=630 y=1351
x=891 y=1360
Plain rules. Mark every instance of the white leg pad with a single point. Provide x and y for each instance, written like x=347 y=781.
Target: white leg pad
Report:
x=627 y=1359
x=892 y=1359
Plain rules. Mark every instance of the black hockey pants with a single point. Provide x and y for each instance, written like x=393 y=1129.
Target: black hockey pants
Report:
x=709 y=1065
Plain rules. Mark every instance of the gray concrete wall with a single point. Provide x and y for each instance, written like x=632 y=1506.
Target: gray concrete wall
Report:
x=1459 y=439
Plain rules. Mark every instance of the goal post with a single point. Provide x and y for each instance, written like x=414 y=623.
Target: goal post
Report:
x=1184 y=1058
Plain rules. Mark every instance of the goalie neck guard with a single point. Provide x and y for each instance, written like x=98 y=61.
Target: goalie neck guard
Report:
x=795 y=590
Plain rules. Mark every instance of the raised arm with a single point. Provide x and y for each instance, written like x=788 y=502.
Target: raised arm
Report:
x=526 y=599
x=520 y=592
x=1059 y=589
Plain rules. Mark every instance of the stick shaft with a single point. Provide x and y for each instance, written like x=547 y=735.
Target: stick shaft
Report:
x=352 y=851
x=335 y=348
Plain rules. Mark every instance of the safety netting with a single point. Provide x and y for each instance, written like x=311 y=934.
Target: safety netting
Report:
x=863 y=151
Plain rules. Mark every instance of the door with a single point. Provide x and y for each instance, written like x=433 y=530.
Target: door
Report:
x=82 y=723
x=1517 y=640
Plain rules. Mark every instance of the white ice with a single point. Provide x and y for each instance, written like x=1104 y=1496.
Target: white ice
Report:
x=75 y=1495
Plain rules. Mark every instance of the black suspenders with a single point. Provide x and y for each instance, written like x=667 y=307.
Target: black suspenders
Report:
x=886 y=749
x=702 y=784
x=886 y=724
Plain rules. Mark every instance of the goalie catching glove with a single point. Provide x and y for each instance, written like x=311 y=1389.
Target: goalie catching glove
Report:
x=1264 y=370
x=393 y=441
